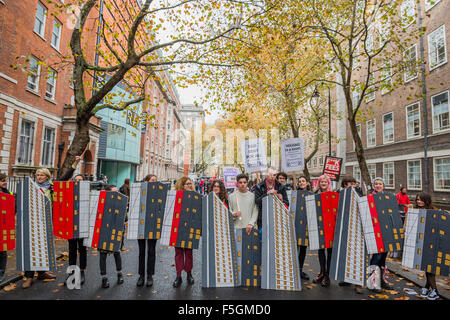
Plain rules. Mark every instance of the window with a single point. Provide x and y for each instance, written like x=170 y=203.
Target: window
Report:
x=388 y=175
x=355 y=61
x=357 y=173
x=430 y=4
x=116 y=137
x=414 y=172
x=388 y=127
x=48 y=147
x=314 y=162
x=437 y=48
x=440 y=112
x=34 y=72
x=56 y=34
x=372 y=171
x=51 y=84
x=408 y=12
x=355 y=99
x=371 y=133
x=39 y=22
x=26 y=142
x=386 y=74
x=442 y=174
x=320 y=161
x=410 y=60
x=369 y=43
x=370 y=91
x=412 y=121
x=384 y=29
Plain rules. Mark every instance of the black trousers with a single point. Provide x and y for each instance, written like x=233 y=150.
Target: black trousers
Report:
x=324 y=262
x=30 y=274
x=73 y=245
x=151 y=243
x=301 y=256
x=3 y=258
x=379 y=259
x=117 y=258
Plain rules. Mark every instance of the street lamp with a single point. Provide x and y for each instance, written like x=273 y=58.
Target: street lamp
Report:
x=315 y=98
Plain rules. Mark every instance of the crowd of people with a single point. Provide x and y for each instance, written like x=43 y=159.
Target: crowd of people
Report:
x=245 y=205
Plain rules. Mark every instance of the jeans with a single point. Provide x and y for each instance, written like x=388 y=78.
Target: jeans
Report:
x=379 y=259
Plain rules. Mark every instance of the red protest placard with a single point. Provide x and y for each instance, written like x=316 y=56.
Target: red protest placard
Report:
x=332 y=167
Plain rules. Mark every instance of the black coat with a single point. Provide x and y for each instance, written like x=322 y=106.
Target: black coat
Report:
x=260 y=191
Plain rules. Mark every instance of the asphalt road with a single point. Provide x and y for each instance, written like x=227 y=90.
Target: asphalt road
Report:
x=165 y=274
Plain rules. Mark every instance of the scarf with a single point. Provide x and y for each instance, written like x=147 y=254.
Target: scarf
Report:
x=45 y=185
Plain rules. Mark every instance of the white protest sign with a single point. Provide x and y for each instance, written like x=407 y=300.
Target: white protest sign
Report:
x=292 y=155
x=254 y=155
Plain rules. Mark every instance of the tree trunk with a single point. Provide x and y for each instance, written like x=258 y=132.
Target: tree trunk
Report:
x=78 y=145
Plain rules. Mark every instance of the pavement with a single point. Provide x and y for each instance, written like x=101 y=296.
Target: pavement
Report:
x=162 y=289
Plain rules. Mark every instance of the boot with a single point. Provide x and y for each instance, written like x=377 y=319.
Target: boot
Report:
x=177 y=282
x=119 y=278
x=319 y=278
x=82 y=277
x=2 y=275
x=190 y=279
x=140 y=281
x=149 y=281
x=46 y=275
x=373 y=282
x=325 y=281
x=384 y=283
x=27 y=283
x=105 y=282
x=359 y=289
x=303 y=275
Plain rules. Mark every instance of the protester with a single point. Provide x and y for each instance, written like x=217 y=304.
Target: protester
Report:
x=183 y=256
x=151 y=252
x=125 y=188
x=117 y=257
x=3 y=254
x=379 y=259
x=282 y=178
x=403 y=201
x=303 y=184
x=43 y=181
x=218 y=187
x=324 y=185
x=269 y=186
x=423 y=201
x=242 y=206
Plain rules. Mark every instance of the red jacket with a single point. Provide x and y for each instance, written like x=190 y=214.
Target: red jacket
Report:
x=403 y=199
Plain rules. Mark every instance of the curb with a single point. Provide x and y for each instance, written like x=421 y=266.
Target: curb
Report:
x=398 y=270
x=10 y=280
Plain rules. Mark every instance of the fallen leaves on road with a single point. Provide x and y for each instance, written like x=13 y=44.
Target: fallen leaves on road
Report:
x=405 y=269
x=10 y=287
x=305 y=264
x=154 y=291
x=402 y=298
x=309 y=287
x=55 y=291
x=61 y=284
x=49 y=280
x=166 y=277
x=63 y=256
x=410 y=284
x=129 y=274
x=382 y=296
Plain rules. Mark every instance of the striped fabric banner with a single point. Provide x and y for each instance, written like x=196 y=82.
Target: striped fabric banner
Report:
x=71 y=209
x=297 y=207
x=248 y=251
x=182 y=224
x=279 y=257
x=35 y=249
x=147 y=206
x=321 y=211
x=349 y=259
x=382 y=224
x=219 y=263
x=427 y=241
x=7 y=222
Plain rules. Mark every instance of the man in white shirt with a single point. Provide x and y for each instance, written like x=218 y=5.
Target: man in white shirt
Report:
x=242 y=205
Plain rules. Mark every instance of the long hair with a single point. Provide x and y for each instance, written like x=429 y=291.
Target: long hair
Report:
x=324 y=177
x=223 y=194
x=426 y=198
x=181 y=182
x=308 y=187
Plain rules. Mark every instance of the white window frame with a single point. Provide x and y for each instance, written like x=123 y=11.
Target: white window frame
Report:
x=406 y=119
x=429 y=4
x=372 y=167
x=55 y=23
x=432 y=112
x=369 y=43
x=370 y=96
x=52 y=84
x=32 y=142
x=393 y=175
x=435 y=175
x=357 y=173
x=409 y=187
x=393 y=128
x=439 y=29
x=52 y=152
x=367 y=132
x=387 y=77
x=405 y=74
x=42 y=31
x=410 y=3
x=38 y=75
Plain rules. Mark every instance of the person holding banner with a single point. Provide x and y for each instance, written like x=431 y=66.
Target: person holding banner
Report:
x=269 y=186
x=324 y=185
x=242 y=206
x=3 y=254
x=218 y=187
x=303 y=184
x=283 y=179
x=423 y=201
x=183 y=256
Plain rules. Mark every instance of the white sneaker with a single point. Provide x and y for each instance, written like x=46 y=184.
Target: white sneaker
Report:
x=433 y=295
x=424 y=293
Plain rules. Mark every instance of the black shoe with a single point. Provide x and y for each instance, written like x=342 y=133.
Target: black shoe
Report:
x=149 y=281
x=140 y=281
x=105 y=282
x=343 y=284
x=385 y=285
x=190 y=279
x=82 y=277
x=177 y=282
x=119 y=278
x=304 y=276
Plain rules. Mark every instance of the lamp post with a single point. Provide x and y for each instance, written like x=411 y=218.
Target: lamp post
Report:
x=315 y=97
